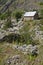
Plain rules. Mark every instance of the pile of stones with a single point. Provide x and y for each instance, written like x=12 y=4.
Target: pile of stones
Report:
x=16 y=60
x=27 y=49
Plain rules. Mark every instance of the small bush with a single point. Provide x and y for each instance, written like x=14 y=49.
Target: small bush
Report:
x=41 y=13
x=3 y=16
x=41 y=3
x=7 y=24
x=18 y=15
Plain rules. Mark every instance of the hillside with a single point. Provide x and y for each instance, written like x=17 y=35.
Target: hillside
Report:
x=24 y=4
x=21 y=41
x=18 y=51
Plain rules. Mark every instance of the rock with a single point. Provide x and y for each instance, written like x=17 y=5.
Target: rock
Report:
x=27 y=49
x=16 y=60
x=15 y=46
x=14 y=24
x=24 y=46
x=20 y=48
x=34 y=52
x=2 y=35
x=2 y=26
x=32 y=49
x=9 y=61
x=10 y=30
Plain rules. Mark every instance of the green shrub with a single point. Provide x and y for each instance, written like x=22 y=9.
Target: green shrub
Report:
x=7 y=24
x=41 y=3
x=41 y=13
x=3 y=16
x=41 y=22
x=18 y=15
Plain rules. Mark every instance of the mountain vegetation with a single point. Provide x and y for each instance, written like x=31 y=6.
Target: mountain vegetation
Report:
x=21 y=42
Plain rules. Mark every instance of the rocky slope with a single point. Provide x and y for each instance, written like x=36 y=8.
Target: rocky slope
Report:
x=24 y=4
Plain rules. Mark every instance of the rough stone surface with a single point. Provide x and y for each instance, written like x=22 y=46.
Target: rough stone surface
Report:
x=27 y=49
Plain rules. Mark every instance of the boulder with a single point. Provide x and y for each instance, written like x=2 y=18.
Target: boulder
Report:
x=33 y=50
